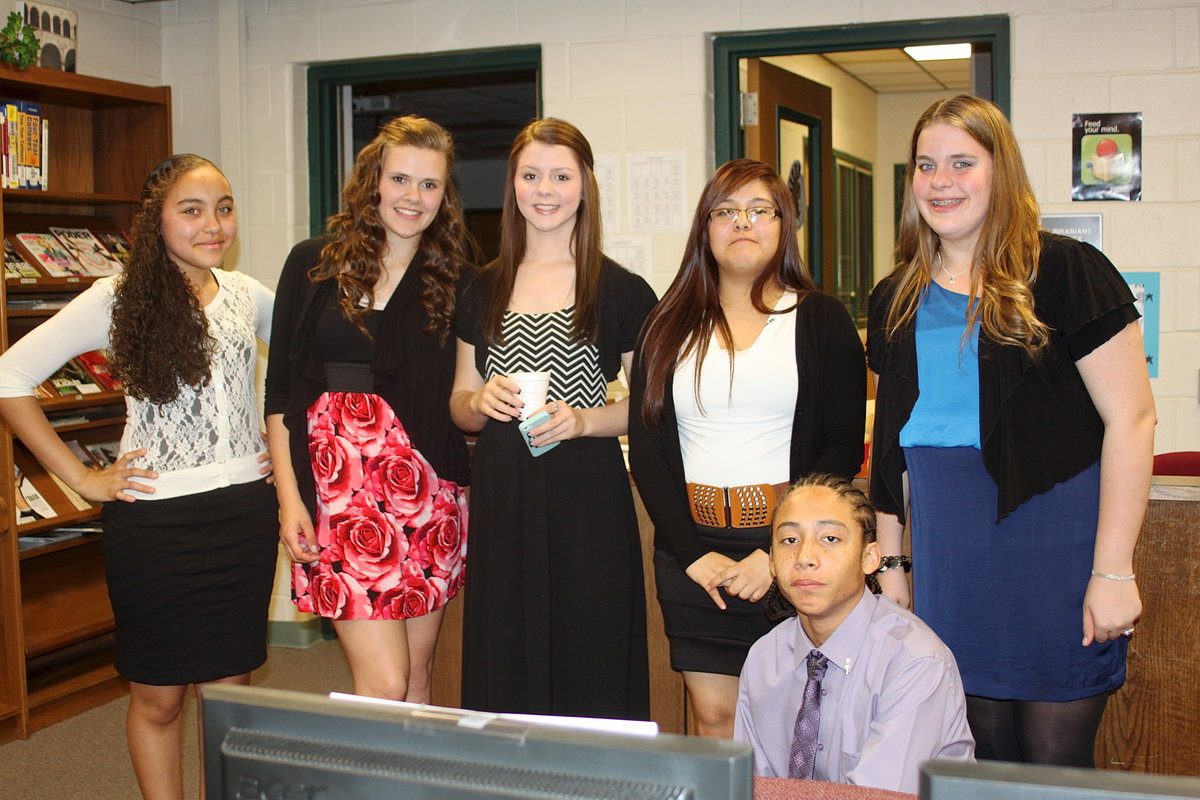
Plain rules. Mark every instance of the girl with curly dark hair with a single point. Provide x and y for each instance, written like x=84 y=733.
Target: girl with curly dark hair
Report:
x=189 y=574
x=369 y=468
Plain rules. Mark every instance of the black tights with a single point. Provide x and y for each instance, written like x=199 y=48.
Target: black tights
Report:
x=1036 y=732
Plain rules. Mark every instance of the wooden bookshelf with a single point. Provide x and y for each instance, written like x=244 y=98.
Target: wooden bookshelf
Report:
x=56 y=625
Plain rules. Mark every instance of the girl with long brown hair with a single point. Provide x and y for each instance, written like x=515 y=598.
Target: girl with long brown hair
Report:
x=555 y=618
x=370 y=470
x=746 y=377
x=189 y=546
x=1014 y=423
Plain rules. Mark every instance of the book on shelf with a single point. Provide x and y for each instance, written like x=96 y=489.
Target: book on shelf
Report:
x=33 y=145
x=45 y=390
x=96 y=362
x=88 y=251
x=74 y=378
x=17 y=267
x=25 y=150
x=116 y=242
x=47 y=252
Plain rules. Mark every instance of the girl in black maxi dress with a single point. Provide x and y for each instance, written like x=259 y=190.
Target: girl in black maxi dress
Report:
x=555 y=613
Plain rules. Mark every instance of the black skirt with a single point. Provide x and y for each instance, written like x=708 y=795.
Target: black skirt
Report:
x=555 y=615
x=704 y=638
x=190 y=580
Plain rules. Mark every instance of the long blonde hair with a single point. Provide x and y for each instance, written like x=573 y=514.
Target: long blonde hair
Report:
x=1006 y=255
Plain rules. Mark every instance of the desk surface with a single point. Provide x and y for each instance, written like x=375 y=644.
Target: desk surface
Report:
x=788 y=789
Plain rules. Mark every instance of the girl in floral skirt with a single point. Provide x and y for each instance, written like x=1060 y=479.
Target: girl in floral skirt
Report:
x=369 y=468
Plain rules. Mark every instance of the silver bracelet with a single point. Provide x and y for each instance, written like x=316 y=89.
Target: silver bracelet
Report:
x=1112 y=577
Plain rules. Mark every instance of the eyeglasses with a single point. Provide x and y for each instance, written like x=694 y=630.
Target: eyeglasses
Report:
x=729 y=216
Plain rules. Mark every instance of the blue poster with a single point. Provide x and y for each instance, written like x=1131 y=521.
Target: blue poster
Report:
x=1144 y=286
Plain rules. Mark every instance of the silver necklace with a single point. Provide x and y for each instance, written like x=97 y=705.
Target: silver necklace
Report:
x=949 y=274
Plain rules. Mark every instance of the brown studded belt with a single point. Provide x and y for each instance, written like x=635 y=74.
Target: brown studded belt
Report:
x=734 y=506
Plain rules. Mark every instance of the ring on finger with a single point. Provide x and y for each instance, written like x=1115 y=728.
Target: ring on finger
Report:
x=1127 y=632
x=554 y=403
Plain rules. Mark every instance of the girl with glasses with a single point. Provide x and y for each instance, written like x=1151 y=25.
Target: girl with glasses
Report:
x=746 y=377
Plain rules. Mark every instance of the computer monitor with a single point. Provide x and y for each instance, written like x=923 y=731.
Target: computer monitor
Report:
x=997 y=780
x=265 y=743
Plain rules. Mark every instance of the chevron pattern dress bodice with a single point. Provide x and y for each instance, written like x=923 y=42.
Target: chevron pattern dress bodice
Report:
x=542 y=343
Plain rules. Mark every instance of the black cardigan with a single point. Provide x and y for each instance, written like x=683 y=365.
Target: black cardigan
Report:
x=827 y=429
x=414 y=371
x=1037 y=424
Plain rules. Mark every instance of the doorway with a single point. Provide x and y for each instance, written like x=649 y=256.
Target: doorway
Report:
x=484 y=98
x=850 y=227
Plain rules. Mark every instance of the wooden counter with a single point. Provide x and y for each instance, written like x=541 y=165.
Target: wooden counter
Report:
x=1152 y=723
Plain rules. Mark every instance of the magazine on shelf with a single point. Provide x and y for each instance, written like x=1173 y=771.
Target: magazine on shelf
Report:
x=116 y=242
x=81 y=453
x=31 y=505
x=97 y=364
x=74 y=378
x=17 y=267
x=45 y=250
x=88 y=250
x=48 y=538
x=105 y=453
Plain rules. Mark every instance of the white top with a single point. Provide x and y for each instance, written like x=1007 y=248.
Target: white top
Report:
x=203 y=440
x=743 y=436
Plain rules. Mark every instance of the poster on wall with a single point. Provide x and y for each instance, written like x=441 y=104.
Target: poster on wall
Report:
x=1106 y=158
x=1144 y=286
x=57 y=30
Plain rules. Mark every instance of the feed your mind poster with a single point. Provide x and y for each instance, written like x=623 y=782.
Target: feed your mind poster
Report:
x=1107 y=156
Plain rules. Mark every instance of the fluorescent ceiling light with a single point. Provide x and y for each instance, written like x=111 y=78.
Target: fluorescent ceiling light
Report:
x=939 y=52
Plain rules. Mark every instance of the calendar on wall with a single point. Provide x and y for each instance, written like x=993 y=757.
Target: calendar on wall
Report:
x=657 y=191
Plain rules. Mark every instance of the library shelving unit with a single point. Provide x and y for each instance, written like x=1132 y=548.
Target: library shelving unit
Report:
x=56 y=623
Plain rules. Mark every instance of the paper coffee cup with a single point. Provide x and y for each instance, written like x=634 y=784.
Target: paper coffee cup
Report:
x=534 y=386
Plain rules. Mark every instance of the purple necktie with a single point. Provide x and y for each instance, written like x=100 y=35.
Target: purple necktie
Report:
x=808 y=720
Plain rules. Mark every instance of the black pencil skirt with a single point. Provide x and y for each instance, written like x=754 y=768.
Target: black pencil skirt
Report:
x=704 y=638
x=190 y=580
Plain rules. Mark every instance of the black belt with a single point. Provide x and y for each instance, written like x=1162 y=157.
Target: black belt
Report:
x=345 y=376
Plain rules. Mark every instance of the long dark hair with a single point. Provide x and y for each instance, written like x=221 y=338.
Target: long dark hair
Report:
x=689 y=311
x=1006 y=256
x=357 y=239
x=159 y=339
x=586 y=238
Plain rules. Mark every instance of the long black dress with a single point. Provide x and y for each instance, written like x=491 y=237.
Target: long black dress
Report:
x=555 y=610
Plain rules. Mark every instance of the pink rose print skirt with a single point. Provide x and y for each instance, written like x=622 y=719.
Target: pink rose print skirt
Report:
x=392 y=535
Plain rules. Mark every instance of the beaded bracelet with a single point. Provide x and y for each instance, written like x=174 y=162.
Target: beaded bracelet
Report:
x=894 y=562
x=1111 y=577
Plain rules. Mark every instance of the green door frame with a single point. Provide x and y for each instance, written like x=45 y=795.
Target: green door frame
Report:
x=325 y=80
x=728 y=49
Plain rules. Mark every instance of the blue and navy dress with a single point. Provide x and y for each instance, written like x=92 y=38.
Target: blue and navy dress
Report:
x=1004 y=592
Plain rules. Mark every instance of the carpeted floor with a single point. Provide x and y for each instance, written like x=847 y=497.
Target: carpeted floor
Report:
x=85 y=757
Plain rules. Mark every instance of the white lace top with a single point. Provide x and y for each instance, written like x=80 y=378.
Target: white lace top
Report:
x=203 y=440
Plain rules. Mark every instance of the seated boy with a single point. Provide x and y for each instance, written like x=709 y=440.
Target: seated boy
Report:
x=882 y=694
